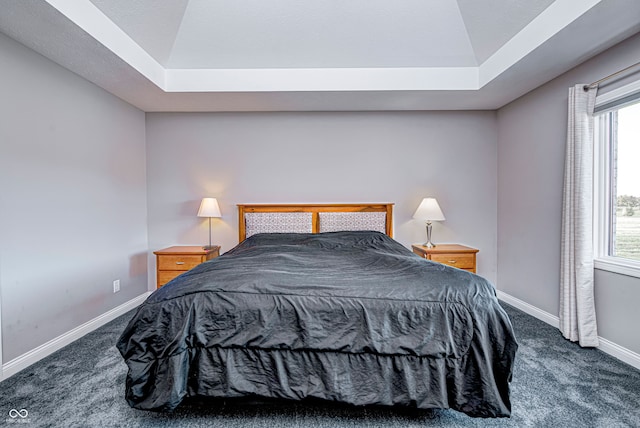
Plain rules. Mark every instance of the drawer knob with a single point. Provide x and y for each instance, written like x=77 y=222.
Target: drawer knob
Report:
x=452 y=262
x=179 y=263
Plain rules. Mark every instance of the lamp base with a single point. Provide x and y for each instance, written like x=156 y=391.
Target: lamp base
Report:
x=429 y=244
x=208 y=247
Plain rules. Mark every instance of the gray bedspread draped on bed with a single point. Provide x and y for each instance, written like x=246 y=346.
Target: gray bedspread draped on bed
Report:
x=347 y=316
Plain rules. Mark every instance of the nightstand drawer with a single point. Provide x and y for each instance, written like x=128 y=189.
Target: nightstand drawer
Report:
x=455 y=255
x=178 y=262
x=165 y=276
x=461 y=261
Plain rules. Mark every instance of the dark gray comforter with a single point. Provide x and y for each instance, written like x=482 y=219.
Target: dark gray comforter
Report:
x=347 y=316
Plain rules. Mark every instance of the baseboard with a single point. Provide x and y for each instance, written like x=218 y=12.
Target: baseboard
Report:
x=621 y=353
x=606 y=346
x=25 y=360
x=529 y=309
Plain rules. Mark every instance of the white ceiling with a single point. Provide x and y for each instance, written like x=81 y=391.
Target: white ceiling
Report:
x=288 y=55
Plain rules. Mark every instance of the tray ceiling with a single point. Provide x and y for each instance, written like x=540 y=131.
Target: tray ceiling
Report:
x=257 y=55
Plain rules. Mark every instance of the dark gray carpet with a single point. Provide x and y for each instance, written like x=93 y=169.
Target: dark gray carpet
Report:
x=556 y=384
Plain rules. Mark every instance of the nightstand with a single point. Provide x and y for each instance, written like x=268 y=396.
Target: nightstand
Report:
x=173 y=261
x=455 y=255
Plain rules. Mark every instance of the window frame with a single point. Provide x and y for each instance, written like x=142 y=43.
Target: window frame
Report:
x=606 y=108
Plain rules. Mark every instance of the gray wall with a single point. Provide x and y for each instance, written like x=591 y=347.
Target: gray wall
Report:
x=79 y=152
x=324 y=157
x=531 y=144
x=73 y=200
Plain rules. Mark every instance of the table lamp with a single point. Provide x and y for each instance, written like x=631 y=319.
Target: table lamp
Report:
x=209 y=208
x=429 y=211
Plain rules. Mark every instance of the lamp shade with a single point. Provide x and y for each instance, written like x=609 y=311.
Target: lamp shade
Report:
x=209 y=208
x=429 y=210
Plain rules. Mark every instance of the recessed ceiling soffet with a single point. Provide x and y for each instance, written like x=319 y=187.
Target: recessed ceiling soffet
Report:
x=248 y=55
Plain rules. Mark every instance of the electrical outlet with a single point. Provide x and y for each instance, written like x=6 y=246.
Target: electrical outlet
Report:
x=116 y=285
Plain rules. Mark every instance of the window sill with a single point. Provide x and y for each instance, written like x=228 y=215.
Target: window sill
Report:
x=615 y=265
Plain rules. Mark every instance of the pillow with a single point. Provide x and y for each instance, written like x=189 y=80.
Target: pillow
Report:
x=277 y=223
x=334 y=222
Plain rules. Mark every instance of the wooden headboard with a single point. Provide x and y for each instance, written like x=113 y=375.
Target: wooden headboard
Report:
x=315 y=210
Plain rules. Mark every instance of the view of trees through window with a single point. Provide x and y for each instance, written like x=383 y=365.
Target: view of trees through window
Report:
x=626 y=215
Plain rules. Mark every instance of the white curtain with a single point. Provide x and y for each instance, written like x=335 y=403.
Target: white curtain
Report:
x=577 y=308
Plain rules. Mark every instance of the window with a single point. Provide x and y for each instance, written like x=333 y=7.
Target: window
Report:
x=617 y=181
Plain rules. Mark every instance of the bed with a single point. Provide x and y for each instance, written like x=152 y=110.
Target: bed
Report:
x=318 y=301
